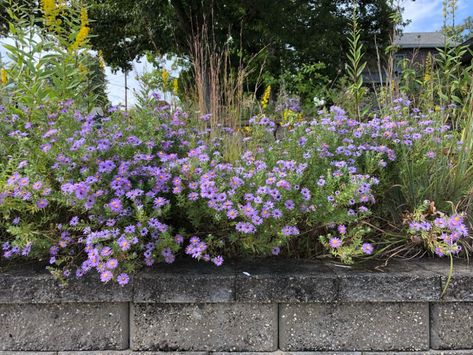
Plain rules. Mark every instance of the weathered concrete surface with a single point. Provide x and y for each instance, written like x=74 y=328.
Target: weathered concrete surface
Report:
x=68 y=326
x=201 y=327
x=290 y=281
x=461 y=283
x=354 y=327
x=186 y=282
x=396 y=282
x=451 y=325
x=430 y=352
x=34 y=284
x=129 y=352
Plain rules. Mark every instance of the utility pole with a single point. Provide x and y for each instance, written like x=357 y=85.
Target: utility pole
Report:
x=126 y=90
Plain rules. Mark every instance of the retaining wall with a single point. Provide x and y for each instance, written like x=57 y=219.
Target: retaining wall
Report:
x=265 y=306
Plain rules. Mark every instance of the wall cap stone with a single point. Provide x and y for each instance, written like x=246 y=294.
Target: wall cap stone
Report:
x=272 y=280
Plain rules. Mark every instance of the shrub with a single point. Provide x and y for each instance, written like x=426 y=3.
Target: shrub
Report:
x=111 y=193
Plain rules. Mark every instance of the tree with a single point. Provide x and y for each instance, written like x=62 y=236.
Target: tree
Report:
x=291 y=33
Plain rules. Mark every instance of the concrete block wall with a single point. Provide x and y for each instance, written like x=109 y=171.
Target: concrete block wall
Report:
x=267 y=306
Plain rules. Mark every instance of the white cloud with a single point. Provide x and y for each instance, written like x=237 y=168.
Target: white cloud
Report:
x=425 y=15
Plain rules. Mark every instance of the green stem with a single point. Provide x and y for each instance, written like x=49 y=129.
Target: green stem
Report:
x=449 y=277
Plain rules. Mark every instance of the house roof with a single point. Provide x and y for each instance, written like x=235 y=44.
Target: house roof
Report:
x=420 y=40
x=468 y=42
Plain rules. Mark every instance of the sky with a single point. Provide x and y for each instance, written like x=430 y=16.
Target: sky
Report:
x=425 y=16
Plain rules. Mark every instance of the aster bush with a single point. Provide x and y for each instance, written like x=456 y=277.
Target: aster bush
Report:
x=112 y=193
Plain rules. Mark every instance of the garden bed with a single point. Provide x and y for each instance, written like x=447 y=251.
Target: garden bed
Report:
x=257 y=306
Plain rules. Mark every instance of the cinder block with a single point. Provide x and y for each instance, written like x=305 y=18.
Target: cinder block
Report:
x=68 y=326
x=354 y=327
x=186 y=282
x=204 y=327
x=291 y=281
x=451 y=325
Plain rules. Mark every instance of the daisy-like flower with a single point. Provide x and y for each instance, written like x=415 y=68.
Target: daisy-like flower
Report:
x=335 y=242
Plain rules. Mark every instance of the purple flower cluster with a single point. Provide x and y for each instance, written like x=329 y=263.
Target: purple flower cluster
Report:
x=441 y=234
x=127 y=194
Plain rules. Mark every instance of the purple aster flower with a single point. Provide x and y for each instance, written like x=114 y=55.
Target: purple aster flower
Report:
x=37 y=185
x=23 y=181
x=42 y=203
x=129 y=229
x=106 y=276
x=74 y=221
x=111 y=264
x=335 y=242
x=218 y=260
x=81 y=190
x=106 y=251
x=305 y=193
x=289 y=204
x=455 y=221
x=159 y=202
x=430 y=155
x=124 y=243
x=367 y=248
x=277 y=213
x=106 y=166
x=232 y=214
x=123 y=279
x=115 y=205
x=440 y=222
x=179 y=239
x=275 y=250
x=342 y=229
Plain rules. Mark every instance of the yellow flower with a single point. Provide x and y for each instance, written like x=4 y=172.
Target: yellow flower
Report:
x=266 y=95
x=4 y=76
x=50 y=10
x=285 y=115
x=437 y=108
x=84 y=18
x=428 y=67
x=175 y=86
x=83 y=33
x=165 y=77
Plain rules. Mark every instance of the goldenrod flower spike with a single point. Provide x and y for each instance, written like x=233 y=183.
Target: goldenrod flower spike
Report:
x=165 y=77
x=266 y=95
x=175 y=86
x=3 y=75
x=83 y=33
x=49 y=8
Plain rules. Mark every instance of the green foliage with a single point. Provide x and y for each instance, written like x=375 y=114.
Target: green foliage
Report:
x=291 y=34
x=42 y=65
x=355 y=65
